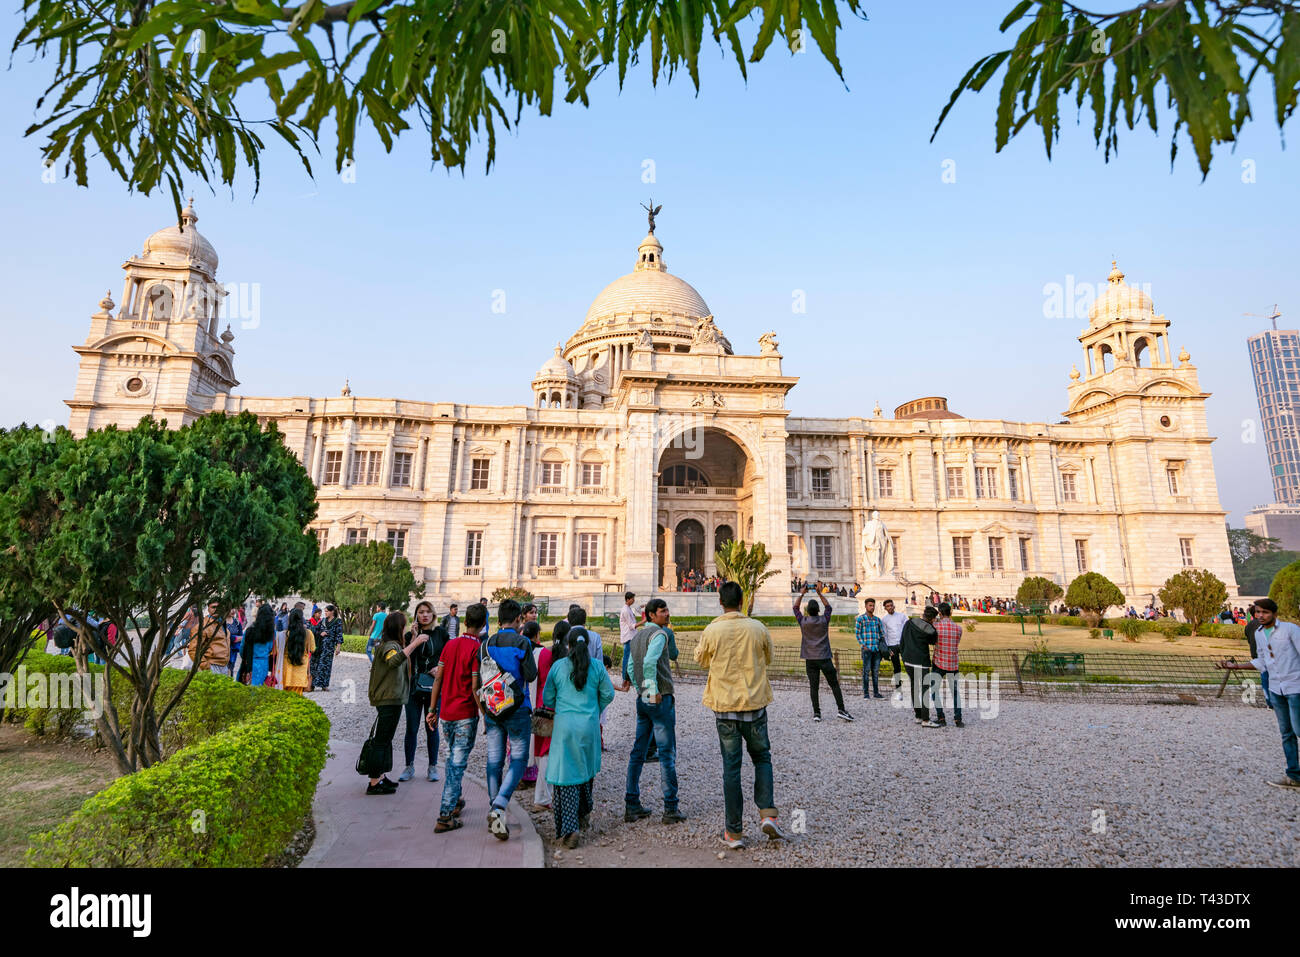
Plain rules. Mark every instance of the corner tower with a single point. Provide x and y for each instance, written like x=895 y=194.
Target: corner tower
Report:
x=160 y=354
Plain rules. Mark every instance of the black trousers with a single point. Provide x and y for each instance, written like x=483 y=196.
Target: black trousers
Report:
x=896 y=663
x=816 y=667
x=919 y=674
x=382 y=754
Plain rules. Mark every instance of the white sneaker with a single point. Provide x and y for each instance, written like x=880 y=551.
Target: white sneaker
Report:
x=407 y=773
x=498 y=827
x=931 y=724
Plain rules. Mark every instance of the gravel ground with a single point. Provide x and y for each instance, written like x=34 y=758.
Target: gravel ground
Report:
x=1178 y=786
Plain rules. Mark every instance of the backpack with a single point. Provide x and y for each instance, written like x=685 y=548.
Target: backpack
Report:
x=500 y=694
x=64 y=637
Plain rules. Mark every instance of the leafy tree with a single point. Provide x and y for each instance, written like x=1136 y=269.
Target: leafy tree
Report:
x=357 y=577
x=156 y=521
x=1199 y=593
x=1093 y=593
x=1035 y=588
x=746 y=565
x=1285 y=590
x=521 y=595
x=165 y=88
x=1243 y=544
x=1201 y=56
x=21 y=610
x=1256 y=573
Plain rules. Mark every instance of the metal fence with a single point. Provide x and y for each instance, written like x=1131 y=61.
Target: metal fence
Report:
x=1112 y=676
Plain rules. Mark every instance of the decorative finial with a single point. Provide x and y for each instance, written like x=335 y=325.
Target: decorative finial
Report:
x=1074 y=373
x=347 y=387
x=227 y=337
x=877 y=410
x=653 y=210
x=106 y=304
x=1184 y=356
x=559 y=350
x=188 y=216
x=1116 y=276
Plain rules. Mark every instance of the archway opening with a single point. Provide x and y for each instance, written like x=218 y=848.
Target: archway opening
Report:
x=688 y=550
x=1140 y=353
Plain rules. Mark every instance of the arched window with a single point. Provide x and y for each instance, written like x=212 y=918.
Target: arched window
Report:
x=721 y=535
x=683 y=476
x=1106 y=357
x=1140 y=347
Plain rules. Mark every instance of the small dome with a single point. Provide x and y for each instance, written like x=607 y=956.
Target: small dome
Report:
x=1119 y=300
x=178 y=245
x=556 y=368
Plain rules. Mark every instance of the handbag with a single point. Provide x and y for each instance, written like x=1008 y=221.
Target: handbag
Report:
x=543 y=721
x=500 y=692
x=366 y=758
x=424 y=682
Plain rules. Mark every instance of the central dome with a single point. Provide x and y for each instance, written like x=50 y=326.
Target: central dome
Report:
x=649 y=290
x=181 y=245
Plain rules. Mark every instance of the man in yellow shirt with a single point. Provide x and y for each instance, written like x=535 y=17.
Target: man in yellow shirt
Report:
x=736 y=650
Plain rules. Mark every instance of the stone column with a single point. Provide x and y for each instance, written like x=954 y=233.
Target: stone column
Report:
x=421 y=467
x=345 y=478
x=639 y=465
x=320 y=453
x=386 y=473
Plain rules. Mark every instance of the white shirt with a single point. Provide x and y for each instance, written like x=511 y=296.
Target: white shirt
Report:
x=892 y=626
x=1279 y=653
x=626 y=624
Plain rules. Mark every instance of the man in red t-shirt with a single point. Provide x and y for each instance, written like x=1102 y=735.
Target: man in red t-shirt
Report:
x=455 y=684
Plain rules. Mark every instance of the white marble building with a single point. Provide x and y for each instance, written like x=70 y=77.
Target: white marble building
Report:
x=648 y=440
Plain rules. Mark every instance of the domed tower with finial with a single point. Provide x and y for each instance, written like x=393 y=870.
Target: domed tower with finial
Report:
x=161 y=353
x=556 y=384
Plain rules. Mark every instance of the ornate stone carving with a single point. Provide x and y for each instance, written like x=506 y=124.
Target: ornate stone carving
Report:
x=707 y=400
x=768 y=344
x=875 y=546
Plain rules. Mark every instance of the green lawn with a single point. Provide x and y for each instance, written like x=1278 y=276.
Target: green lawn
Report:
x=41 y=785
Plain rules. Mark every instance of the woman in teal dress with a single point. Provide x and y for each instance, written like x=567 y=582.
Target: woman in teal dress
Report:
x=578 y=688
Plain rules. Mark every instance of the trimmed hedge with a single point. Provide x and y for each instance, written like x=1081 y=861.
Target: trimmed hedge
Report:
x=233 y=794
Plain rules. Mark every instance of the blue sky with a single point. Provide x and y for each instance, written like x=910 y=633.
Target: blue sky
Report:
x=793 y=181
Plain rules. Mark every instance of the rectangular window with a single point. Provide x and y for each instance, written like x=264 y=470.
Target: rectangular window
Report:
x=1185 y=545
x=995 y=555
x=886 y=479
x=1024 y=554
x=821 y=483
x=478 y=475
x=397 y=538
x=588 y=549
x=333 y=468
x=358 y=536
x=1081 y=554
x=548 y=546
x=402 y=469
x=897 y=551
x=961 y=554
x=591 y=474
x=980 y=490
x=1013 y=485
x=366 y=466
x=823 y=552
x=790 y=473
x=1068 y=491
x=322 y=539
x=552 y=473
x=473 y=549
x=956 y=483
x=1172 y=475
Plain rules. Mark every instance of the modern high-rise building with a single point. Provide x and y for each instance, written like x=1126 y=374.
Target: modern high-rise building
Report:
x=1275 y=362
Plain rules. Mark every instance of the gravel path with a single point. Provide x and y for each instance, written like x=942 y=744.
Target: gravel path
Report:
x=1178 y=786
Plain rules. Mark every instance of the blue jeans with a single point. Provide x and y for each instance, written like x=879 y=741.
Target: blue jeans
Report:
x=871 y=668
x=517 y=727
x=949 y=678
x=460 y=742
x=661 y=721
x=1287 y=709
x=417 y=706
x=370 y=644
x=753 y=734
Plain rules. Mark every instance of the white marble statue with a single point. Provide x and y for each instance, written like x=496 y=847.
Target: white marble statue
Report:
x=875 y=547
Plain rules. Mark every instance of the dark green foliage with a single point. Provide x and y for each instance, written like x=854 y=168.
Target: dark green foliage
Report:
x=232 y=795
x=1199 y=593
x=1285 y=590
x=1035 y=588
x=137 y=525
x=357 y=577
x=1093 y=593
x=1256 y=573
x=1199 y=57
x=159 y=89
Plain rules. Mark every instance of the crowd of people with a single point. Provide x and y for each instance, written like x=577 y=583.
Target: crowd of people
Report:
x=799 y=585
x=541 y=706
x=695 y=580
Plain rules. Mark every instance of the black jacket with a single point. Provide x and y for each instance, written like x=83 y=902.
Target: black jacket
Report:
x=918 y=636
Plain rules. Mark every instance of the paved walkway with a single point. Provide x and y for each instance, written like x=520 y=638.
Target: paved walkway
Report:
x=353 y=830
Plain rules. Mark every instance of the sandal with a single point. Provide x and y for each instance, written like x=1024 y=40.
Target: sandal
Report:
x=460 y=806
x=446 y=824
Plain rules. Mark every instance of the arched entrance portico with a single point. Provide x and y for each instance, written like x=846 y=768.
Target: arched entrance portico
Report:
x=705 y=491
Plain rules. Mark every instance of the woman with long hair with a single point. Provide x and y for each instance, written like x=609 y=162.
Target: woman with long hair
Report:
x=546 y=656
x=299 y=643
x=423 y=662
x=331 y=637
x=578 y=688
x=390 y=689
x=255 y=663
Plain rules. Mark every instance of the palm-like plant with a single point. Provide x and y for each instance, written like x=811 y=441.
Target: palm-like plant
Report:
x=746 y=565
